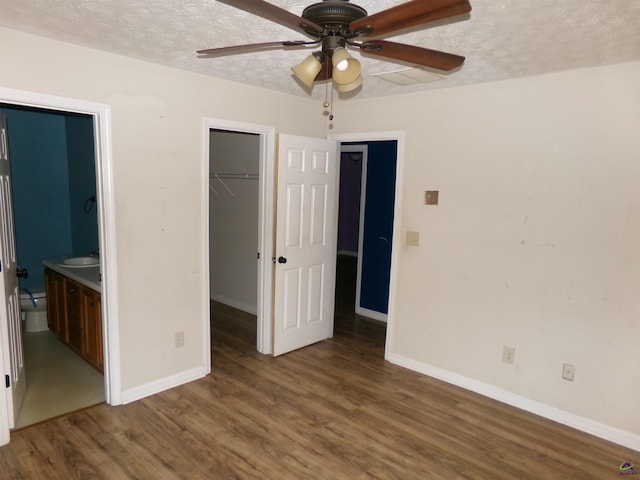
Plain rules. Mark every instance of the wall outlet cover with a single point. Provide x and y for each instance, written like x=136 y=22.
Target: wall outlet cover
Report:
x=413 y=239
x=508 y=354
x=568 y=371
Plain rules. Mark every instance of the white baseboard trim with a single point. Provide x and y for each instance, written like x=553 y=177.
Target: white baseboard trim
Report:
x=235 y=304
x=615 y=435
x=365 y=312
x=162 y=384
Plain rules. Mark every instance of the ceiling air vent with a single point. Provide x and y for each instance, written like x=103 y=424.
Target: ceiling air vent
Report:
x=408 y=76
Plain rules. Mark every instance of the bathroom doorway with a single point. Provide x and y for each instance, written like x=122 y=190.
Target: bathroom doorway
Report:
x=56 y=215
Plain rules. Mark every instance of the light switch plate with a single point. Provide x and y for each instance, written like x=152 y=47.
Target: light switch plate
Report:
x=431 y=197
x=413 y=239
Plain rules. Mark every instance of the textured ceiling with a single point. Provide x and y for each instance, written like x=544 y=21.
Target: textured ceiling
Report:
x=501 y=39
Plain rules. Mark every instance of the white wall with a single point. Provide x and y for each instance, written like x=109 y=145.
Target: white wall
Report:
x=535 y=243
x=233 y=224
x=157 y=130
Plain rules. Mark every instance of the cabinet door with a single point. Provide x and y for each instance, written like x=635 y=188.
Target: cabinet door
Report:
x=56 y=310
x=74 y=315
x=53 y=283
x=92 y=320
x=61 y=308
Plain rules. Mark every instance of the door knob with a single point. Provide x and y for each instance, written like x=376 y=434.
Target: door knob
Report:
x=282 y=260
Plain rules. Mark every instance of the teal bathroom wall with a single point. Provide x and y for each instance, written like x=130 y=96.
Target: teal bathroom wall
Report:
x=52 y=173
x=82 y=184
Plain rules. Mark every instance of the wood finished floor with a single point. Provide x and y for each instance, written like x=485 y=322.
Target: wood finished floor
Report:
x=335 y=410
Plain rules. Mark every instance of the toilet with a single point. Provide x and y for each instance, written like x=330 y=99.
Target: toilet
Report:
x=33 y=304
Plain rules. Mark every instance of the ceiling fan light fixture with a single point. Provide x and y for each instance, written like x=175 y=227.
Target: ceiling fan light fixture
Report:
x=346 y=69
x=307 y=70
x=344 y=88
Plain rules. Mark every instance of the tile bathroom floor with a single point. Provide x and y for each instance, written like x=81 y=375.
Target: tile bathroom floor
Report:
x=58 y=380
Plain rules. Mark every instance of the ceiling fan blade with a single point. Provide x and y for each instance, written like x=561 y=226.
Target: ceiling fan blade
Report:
x=406 y=15
x=251 y=47
x=278 y=15
x=409 y=53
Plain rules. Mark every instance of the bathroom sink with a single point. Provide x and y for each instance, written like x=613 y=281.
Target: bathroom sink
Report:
x=81 y=262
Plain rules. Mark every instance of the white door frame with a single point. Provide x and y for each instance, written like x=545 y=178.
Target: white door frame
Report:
x=265 y=218
x=101 y=114
x=398 y=136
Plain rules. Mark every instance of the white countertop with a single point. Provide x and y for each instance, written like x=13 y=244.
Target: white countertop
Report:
x=87 y=276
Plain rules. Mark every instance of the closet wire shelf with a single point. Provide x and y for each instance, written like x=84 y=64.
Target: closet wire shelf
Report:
x=230 y=176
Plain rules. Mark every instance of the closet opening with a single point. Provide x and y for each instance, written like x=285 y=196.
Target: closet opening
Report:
x=234 y=207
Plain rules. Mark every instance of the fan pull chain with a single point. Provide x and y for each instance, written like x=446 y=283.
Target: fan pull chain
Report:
x=326 y=100
x=331 y=108
x=328 y=104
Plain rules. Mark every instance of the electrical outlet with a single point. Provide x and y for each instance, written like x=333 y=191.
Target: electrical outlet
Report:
x=568 y=371
x=179 y=339
x=508 y=354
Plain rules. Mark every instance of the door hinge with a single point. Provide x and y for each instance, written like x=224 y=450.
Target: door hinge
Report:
x=7 y=380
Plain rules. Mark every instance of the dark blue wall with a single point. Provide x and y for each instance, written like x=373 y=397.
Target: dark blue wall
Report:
x=378 y=225
x=45 y=154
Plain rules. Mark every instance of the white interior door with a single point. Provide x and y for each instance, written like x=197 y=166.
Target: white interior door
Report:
x=10 y=321
x=306 y=242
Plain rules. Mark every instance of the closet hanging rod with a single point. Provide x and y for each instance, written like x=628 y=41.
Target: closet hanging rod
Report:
x=239 y=176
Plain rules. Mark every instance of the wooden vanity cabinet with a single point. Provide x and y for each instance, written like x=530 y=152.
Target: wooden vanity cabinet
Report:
x=92 y=331
x=74 y=312
x=56 y=318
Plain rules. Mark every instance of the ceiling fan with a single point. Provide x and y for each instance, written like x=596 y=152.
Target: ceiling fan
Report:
x=338 y=24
